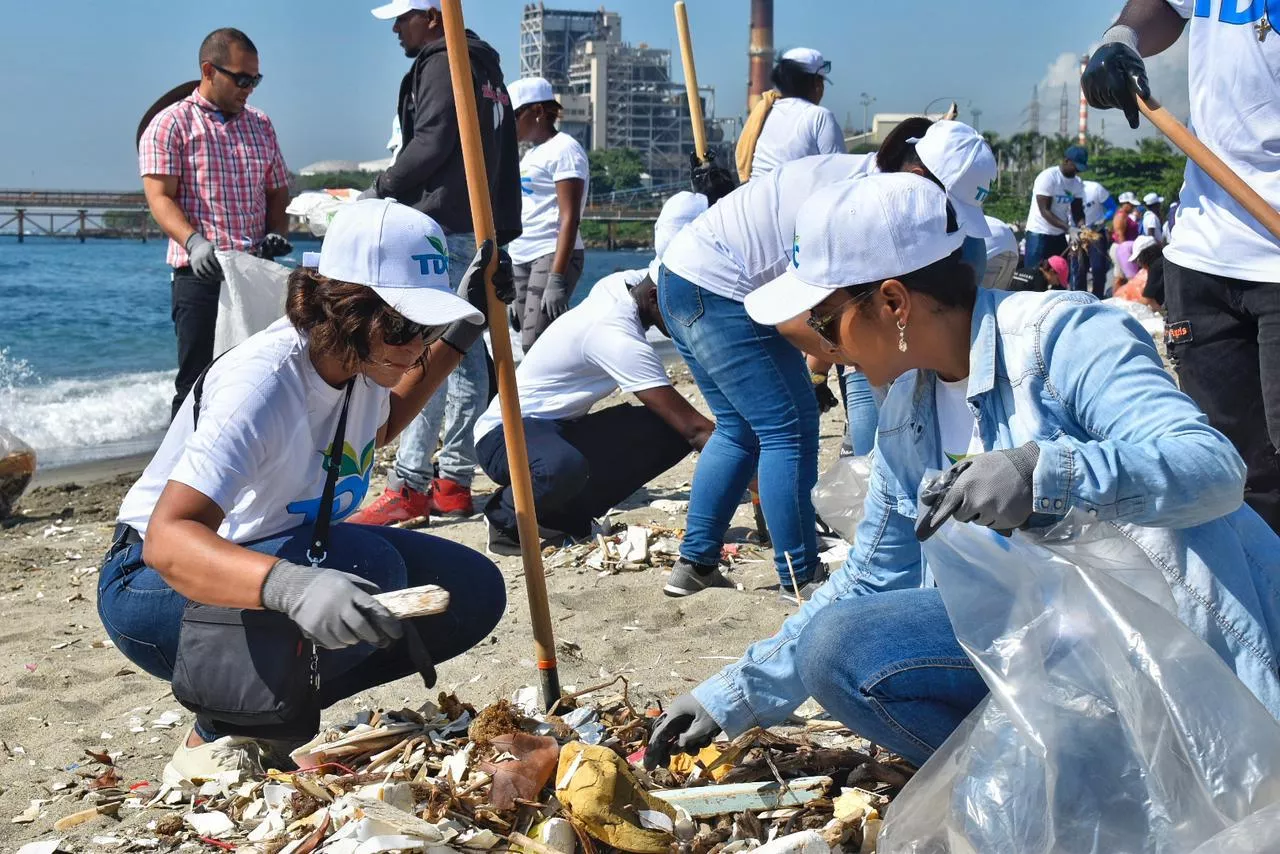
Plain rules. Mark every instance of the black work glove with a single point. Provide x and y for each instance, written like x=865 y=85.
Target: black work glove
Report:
x=685 y=727
x=273 y=246
x=827 y=400
x=461 y=334
x=204 y=259
x=334 y=609
x=710 y=178
x=1114 y=73
x=992 y=489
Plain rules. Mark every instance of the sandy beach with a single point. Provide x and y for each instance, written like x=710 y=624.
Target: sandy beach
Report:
x=64 y=689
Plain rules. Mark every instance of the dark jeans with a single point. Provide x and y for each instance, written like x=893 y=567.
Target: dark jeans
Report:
x=1224 y=337
x=195 y=317
x=1042 y=246
x=581 y=468
x=1095 y=266
x=142 y=614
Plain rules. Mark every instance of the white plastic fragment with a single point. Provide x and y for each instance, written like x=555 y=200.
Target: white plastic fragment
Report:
x=44 y=846
x=212 y=824
x=804 y=842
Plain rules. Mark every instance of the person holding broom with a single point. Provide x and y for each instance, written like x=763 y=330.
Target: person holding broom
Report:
x=789 y=122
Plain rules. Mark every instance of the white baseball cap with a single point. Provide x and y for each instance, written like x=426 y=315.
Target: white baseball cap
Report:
x=961 y=159
x=396 y=8
x=529 y=90
x=808 y=59
x=856 y=232
x=1140 y=245
x=1128 y=199
x=399 y=253
x=1152 y=199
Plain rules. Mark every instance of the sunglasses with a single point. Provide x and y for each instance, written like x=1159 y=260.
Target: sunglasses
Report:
x=243 y=81
x=398 y=331
x=824 y=324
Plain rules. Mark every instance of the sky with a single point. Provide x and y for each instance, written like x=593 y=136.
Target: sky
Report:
x=79 y=74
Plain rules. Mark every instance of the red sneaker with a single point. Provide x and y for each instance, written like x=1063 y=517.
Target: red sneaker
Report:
x=397 y=508
x=449 y=498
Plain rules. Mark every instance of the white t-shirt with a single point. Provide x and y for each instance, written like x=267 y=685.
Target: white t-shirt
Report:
x=745 y=239
x=1235 y=111
x=957 y=428
x=1095 y=203
x=795 y=128
x=1063 y=190
x=267 y=420
x=588 y=353
x=1151 y=224
x=560 y=158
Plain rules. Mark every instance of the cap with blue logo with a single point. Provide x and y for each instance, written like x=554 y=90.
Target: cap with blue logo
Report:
x=856 y=232
x=961 y=159
x=400 y=254
x=1079 y=155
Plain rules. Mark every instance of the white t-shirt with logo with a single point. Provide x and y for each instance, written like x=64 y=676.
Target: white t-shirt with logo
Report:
x=1063 y=190
x=793 y=129
x=560 y=158
x=587 y=354
x=267 y=420
x=1151 y=224
x=1235 y=111
x=1095 y=204
x=957 y=428
x=745 y=239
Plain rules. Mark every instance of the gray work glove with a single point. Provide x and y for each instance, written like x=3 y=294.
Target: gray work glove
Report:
x=204 y=260
x=555 y=296
x=992 y=489
x=685 y=727
x=461 y=334
x=334 y=609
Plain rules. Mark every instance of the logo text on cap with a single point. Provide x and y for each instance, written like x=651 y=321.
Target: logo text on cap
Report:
x=433 y=262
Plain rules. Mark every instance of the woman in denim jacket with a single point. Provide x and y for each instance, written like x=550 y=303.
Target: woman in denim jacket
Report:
x=1070 y=409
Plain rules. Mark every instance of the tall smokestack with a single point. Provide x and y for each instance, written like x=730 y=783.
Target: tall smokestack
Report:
x=1084 y=105
x=761 y=50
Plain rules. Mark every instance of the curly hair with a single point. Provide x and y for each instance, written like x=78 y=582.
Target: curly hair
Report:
x=339 y=318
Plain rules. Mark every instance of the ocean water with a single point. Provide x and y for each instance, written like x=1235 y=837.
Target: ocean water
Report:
x=87 y=350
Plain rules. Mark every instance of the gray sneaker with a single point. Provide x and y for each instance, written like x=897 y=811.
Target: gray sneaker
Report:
x=687 y=579
x=806 y=590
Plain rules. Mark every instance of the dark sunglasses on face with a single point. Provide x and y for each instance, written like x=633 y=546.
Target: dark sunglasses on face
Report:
x=398 y=331
x=243 y=81
x=824 y=324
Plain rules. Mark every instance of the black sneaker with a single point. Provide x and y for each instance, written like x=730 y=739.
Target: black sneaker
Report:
x=807 y=589
x=502 y=543
x=688 y=578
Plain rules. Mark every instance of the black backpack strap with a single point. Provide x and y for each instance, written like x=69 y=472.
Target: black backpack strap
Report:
x=197 y=391
x=318 y=550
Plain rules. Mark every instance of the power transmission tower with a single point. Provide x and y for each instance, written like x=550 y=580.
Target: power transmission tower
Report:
x=976 y=112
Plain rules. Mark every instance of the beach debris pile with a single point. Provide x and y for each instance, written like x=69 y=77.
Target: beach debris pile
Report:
x=17 y=467
x=510 y=778
x=616 y=549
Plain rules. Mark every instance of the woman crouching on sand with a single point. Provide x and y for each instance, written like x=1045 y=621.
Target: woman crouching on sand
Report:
x=1037 y=404
x=223 y=565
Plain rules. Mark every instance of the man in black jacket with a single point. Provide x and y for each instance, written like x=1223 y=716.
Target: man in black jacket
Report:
x=428 y=173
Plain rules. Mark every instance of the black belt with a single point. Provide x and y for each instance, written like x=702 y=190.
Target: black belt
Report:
x=123 y=537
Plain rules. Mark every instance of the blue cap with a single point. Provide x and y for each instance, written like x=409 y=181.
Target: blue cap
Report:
x=1078 y=155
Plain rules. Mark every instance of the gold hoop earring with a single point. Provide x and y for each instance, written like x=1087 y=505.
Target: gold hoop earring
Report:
x=902 y=337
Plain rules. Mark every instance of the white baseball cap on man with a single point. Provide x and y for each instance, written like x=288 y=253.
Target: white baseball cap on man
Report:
x=396 y=8
x=857 y=232
x=530 y=90
x=808 y=59
x=1152 y=199
x=399 y=253
x=961 y=159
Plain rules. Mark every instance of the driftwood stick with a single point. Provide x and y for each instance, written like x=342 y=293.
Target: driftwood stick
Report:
x=416 y=601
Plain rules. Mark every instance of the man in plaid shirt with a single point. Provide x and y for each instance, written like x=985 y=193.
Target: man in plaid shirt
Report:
x=214 y=179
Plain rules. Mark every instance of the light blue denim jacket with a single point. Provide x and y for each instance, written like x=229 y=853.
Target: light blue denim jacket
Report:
x=1117 y=441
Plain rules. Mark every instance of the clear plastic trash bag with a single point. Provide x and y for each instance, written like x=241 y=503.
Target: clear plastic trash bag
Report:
x=1111 y=728
x=17 y=467
x=251 y=298
x=840 y=492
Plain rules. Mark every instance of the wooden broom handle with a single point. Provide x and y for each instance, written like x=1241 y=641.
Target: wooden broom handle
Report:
x=691 y=81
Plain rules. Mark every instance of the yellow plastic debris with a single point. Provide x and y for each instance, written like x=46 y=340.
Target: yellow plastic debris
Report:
x=604 y=798
x=683 y=763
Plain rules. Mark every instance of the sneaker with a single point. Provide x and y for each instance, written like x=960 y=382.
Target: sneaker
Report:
x=231 y=759
x=807 y=589
x=450 y=498
x=396 y=508
x=688 y=578
x=502 y=543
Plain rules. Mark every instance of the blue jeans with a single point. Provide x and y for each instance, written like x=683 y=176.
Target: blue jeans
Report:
x=142 y=614
x=863 y=411
x=456 y=407
x=1042 y=246
x=757 y=385
x=889 y=667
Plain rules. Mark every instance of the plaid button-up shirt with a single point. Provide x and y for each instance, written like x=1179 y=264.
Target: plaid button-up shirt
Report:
x=224 y=170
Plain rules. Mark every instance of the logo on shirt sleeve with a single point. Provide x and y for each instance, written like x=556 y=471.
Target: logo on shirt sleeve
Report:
x=352 y=487
x=526 y=185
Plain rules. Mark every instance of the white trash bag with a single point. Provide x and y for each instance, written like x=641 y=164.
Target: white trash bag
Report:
x=840 y=493
x=251 y=298
x=1111 y=728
